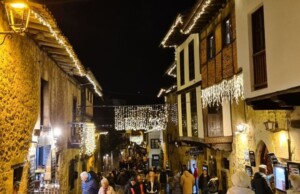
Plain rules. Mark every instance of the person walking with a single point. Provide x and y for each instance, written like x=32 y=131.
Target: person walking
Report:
x=195 y=173
x=241 y=184
x=132 y=187
x=152 y=185
x=141 y=184
x=88 y=183
x=203 y=181
x=105 y=187
x=176 y=187
x=187 y=181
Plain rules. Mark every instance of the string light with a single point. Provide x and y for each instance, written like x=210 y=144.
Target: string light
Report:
x=161 y=91
x=94 y=85
x=201 y=11
x=174 y=113
x=147 y=117
x=63 y=42
x=165 y=91
x=227 y=90
x=170 y=71
x=178 y=21
x=87 y=134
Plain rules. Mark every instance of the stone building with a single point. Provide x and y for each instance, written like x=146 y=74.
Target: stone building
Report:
x=208 y=84
x=243 y=63
x=267 y=45
x=42 y=85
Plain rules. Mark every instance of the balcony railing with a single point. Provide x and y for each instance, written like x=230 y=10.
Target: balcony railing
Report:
x=260 y=70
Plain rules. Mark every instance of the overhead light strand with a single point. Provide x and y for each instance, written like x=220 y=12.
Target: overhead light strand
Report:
x=61 y=40
x=199 y=14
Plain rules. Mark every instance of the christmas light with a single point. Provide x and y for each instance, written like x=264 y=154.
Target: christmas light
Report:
x=178 y=21
x=171 y=69
x=63 y=42
x=227 y=90
x=94 y=85
x=174 y=113
x=161 y=91
x=147 y=117
x=87 y=134
x=201 y=11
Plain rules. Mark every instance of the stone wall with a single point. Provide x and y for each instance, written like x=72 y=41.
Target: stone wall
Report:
x=22 y=66
x=257 y=136
x=19 y=102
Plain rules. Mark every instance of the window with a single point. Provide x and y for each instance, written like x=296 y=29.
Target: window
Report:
x=183 y=115
x=74 y=111
x=211 y=46
x=227 y=32
x=45 y=106
x=194 y=113
x=154 y=143
x=181 y=55
x=259 y=53
x=71 y=174
x=215 y=121
x=191 y=61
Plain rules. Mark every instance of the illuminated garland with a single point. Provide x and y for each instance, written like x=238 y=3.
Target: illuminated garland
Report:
x=171 y=70
x=94 y=85
x=148 y=117
x=228 y=90
x=178 y=21
x=87 y=144
x=199 y=14
x=174 y=114
x=61 y=40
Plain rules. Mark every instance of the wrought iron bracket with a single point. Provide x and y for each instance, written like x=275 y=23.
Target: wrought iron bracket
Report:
x=6 y=35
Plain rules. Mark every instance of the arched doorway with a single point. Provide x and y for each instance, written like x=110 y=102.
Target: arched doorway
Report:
x=262 y=156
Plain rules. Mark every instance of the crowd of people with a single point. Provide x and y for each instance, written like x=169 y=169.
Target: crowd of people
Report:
x=260 y=183
x=123 y=181
x=185 y=181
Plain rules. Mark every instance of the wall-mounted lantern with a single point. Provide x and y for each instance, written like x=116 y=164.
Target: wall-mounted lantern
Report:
x=241 y=128
x=18 y=12
x=272 y=125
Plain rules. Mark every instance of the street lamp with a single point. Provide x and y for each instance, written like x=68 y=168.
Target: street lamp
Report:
x=56 y=132
x=18 y=12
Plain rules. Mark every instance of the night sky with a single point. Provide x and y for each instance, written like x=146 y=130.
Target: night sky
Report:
x=119 y=41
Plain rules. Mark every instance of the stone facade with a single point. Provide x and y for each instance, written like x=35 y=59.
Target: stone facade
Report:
x=19 y=85
x=23 y=66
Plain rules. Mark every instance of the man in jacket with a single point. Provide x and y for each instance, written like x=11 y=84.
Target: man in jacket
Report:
x=260 y=182
x=88 y=184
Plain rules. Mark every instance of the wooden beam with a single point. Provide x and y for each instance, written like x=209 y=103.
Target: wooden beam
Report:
x=38 y=27
x=48 y=44
x=62 y=60
x=35 y=31
x=53 y=51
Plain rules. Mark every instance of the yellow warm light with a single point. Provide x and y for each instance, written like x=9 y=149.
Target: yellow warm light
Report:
x=243 y=138
x=283 y=139
x=18 y=5
x=18 y=13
